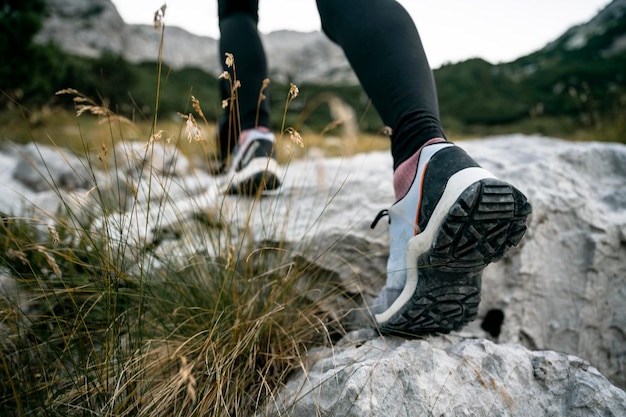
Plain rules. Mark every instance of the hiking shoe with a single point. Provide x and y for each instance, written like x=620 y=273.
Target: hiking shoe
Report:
x=455 y=219
x=254 y=168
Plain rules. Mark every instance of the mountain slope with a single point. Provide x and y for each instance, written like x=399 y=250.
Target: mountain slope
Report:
x=603 y=36
x=91 y=28
x=580 y=75
x=578 y=78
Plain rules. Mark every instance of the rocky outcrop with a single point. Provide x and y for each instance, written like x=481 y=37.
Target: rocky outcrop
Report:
x=373 y=376
x=607 y=19
x=95 y=27
x=561 y=289
x=92 y=28
x=84 y=28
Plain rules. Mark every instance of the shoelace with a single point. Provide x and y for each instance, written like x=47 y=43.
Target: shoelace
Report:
x=380 y=215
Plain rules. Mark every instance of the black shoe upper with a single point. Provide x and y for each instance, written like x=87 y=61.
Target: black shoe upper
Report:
x=259 y=148
x=443 y=165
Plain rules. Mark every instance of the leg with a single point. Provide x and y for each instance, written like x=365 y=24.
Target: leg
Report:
x=240 y=37
x=452 y=217
x=246 y=143
x=384 y=49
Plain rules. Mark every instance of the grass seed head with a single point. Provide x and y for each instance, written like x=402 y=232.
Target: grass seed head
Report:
x=265 y=84
x=230 y=60
x=295 y=137
x=196 y=106
x=194 y=133
x=293 y=91
x=17 y=254
x=155 y=137
x=54 y=234
x=159 y=17
x=50 y=260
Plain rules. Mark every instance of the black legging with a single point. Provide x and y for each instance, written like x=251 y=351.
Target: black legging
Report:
x=383 y=47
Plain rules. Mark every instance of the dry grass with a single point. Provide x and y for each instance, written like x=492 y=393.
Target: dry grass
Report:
x=63 y=127
x=100 y=323
x=193 y=334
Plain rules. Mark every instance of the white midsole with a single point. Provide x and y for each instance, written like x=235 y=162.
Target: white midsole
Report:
x=421 y=243
x=256 y=165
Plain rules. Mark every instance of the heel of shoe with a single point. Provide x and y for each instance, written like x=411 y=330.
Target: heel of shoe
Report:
x=486 y=219
x=259 y=175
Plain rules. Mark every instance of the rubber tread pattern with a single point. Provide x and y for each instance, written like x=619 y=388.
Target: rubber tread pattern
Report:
x=443 y=165
x=487 y=219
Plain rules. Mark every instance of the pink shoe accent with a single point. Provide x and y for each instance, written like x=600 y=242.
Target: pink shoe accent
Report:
x=404 y=175
x=244 y=133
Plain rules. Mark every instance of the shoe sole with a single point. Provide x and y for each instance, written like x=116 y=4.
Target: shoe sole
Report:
x=466 y=234
x=259 y=176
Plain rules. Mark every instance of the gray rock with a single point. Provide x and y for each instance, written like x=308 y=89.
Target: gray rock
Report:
x=92 y=28
x=439 y=377
x=135 y=159
x=41 y=168
x=12 y=191
x=95 y=27
x=562 y=289
x=45 y=183
x=49 y=181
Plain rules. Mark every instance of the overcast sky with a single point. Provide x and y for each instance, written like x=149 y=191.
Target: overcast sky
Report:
x=451 y=30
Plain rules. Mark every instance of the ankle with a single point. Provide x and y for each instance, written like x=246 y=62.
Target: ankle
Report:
x=404 y=175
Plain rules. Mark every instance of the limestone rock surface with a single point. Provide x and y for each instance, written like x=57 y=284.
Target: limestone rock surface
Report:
x=562 y=289
x=377 y=376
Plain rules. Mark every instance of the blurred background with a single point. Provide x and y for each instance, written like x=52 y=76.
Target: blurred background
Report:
x=498 y=69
